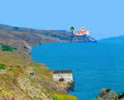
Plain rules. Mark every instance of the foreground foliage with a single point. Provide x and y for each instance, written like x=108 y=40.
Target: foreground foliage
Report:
x=64 y=97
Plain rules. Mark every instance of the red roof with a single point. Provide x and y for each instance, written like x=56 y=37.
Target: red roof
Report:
x=63 y=71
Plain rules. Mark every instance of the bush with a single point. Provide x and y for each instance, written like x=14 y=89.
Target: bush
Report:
x=8 y=48
x=32 y=74
x=64 y=97
x=2 y=66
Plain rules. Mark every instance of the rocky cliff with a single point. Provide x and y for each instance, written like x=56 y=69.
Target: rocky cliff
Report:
x=108 y=94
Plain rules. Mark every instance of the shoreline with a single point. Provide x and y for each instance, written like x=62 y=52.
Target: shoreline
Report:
x=71 y=86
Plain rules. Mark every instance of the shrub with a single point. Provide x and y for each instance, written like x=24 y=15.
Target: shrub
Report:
x=32 y=74
x=18 y=67
x=64 y=97
x=8 y=48
x=2 y=66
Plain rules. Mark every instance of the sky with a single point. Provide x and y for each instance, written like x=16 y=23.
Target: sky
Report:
x=103 y=18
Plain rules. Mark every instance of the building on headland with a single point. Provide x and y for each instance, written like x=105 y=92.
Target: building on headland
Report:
x=82 y=32
x=63 y=76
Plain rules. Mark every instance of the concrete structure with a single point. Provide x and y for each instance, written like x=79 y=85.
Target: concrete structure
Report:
x=65 y=75
x=82 y=32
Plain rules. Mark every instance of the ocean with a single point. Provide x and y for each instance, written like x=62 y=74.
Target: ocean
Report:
x=94 y=65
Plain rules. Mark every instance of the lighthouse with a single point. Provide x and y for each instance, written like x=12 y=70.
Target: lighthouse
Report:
x=82 y=32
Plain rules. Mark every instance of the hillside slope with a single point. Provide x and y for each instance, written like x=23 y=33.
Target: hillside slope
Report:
x=118 y=39
x=23 y=79
x=35 y=36
x=20 y=77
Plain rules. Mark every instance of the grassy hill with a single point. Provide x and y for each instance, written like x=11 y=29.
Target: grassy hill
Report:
x=23 y=79
x=20 y=77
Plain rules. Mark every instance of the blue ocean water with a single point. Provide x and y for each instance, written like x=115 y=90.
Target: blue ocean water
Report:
x=94 y=65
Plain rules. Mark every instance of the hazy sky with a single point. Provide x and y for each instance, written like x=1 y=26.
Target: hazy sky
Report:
x=103 y=18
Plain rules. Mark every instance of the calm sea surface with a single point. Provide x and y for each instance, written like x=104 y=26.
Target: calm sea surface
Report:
x=94 y=65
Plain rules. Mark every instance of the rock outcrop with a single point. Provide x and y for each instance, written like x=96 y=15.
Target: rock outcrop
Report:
x=108 y=94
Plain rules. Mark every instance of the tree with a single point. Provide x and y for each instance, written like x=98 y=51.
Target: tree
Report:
x=72 y=29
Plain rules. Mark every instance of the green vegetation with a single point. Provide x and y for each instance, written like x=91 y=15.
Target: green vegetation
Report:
x=32 y=74
x=7 y=48
x=64 y=97
x=72 y=29
x=5 y=92
x=2 y=66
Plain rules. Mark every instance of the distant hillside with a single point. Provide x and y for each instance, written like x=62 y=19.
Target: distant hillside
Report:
x=119 y=39
x=35 y=36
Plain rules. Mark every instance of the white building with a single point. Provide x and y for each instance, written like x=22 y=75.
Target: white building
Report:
x=65 y=75
x=82 y=32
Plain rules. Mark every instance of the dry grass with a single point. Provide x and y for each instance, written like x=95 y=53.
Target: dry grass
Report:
x=18 y=72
